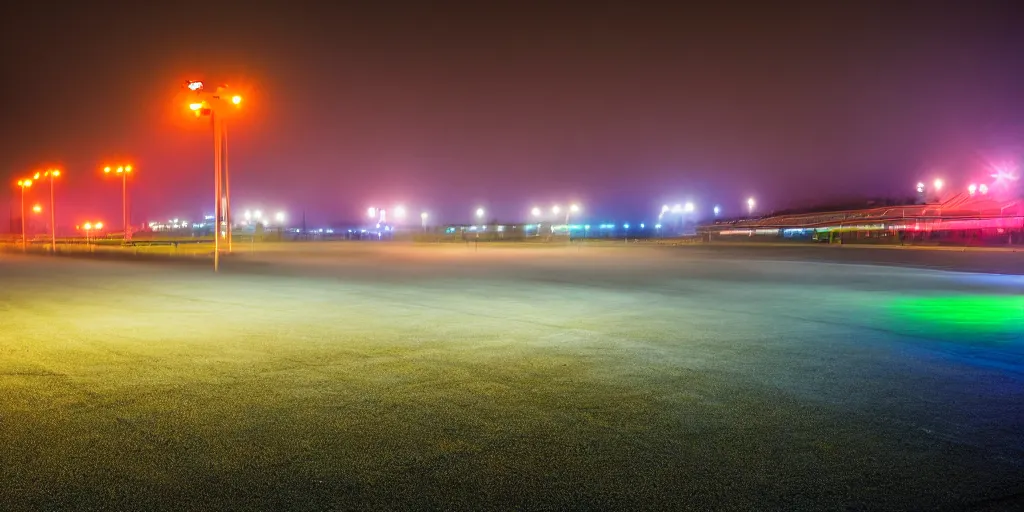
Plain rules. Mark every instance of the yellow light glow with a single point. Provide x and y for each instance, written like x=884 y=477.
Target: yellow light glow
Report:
x=26 y=183
x=87 y=226
x=195 y=106
x=55 y=173
x=106 y=169
x=127 y=168
x=236 y=99
x=195 y=85
x=36 y=176
x=99 y=225
x=37 y=208
x=120 y=169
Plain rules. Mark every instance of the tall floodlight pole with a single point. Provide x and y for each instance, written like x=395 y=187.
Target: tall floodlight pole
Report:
x=227 y=181
x=53 y=173
x=214 y=104
x=124 y=205
x=24 y=234
x=123 y=171
x=217 y=205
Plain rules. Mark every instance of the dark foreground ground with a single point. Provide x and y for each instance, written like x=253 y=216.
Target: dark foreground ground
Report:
x=354 y=376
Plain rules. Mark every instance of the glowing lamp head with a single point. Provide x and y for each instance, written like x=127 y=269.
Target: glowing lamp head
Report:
x=664 y=208
x=120 y=170
x=87 y=226
x=983 y=188
x=279 y=217
x=535 y=211
x=194 y=85
x=938 y=184
x=127 y=168
x=35 y=176
x=25 y=183
x=688 y=208
x=972 y=188
x=106 y=169
x=556 y=209
x=479 y=212
x=98 y=225
x=37 y=208
x=574 y=208
x=236 y=99
x=55 y=173
x=423 y=216
x=717 y=210
x=400 y=211
x=371 y=212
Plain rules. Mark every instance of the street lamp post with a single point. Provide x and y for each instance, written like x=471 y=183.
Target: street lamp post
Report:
x=480 y=216
x=209 y=104
x=573 y=208
x=24 y=234
x=750 y=205
x=51 y=174
x=555 y=210
x=123 y=171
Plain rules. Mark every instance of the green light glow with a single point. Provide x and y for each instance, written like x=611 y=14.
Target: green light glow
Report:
x=967 y=317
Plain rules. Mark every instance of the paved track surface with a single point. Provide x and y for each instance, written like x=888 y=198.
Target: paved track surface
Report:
x=369 y=376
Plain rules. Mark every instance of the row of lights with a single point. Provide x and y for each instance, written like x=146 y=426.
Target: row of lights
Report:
x=689 y=207
x=258 y=217
x=26 y=183
x=973 y=188
x=380 y=214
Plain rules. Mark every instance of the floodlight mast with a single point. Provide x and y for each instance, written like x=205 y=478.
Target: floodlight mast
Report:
x=208 y=103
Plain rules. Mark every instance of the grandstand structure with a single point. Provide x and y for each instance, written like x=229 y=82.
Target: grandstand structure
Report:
x=960 y=218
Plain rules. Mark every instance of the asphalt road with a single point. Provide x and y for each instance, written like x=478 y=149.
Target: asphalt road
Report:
x=368 y=376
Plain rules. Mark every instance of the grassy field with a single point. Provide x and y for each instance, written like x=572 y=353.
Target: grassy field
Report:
x=368 y=376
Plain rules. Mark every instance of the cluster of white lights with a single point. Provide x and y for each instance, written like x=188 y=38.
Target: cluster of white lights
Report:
x=690 y=208
x=257 y=217
x=172 y=224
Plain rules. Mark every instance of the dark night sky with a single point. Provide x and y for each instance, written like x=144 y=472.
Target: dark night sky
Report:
x=447 y=106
